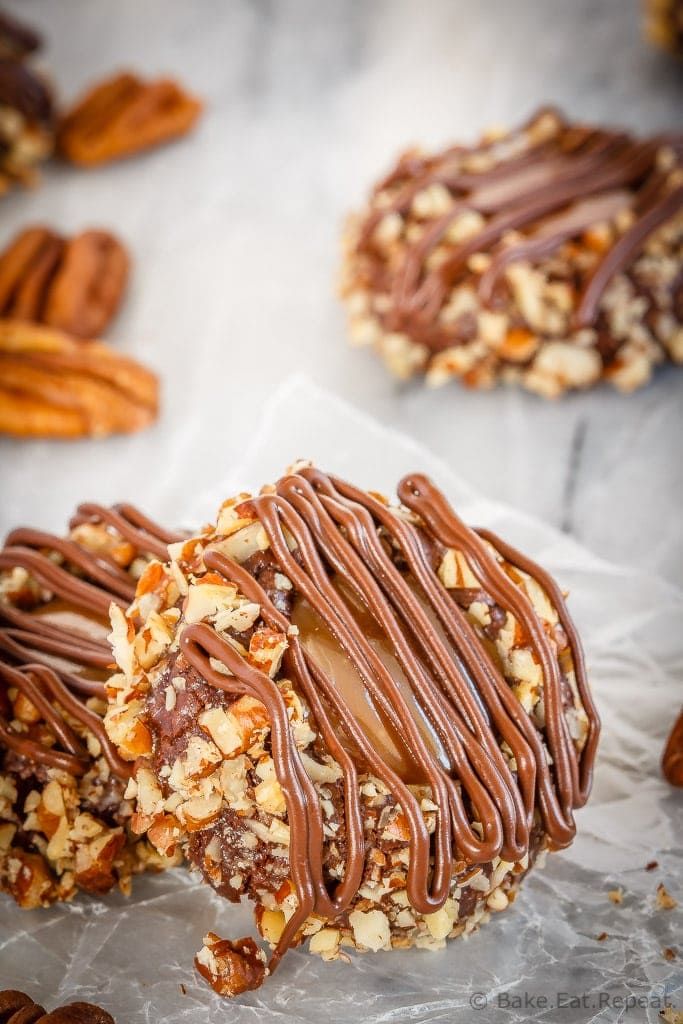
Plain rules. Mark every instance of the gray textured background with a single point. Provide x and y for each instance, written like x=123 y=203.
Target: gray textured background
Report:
x=234 y=234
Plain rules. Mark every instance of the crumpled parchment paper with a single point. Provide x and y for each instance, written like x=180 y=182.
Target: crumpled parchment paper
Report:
x=541 y=960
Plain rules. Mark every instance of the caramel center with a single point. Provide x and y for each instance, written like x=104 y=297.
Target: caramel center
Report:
x=339 y=667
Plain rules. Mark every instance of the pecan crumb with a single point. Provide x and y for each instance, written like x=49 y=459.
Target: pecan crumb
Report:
x=664 y=900
x=616 y=895
x=602 y=936
x=652 y=865
x=669 y=953
x=231 y=967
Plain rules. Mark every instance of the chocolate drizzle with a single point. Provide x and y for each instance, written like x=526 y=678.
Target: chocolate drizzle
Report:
x=551 y=179
x=341 y=548
x=54 y=649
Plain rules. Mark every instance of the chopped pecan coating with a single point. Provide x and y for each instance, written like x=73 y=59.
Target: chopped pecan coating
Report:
x=75 y=284
x=51 y=385
x=124 y=115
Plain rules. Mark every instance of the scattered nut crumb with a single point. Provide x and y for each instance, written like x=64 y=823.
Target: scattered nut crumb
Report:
x=668 y=953
x=183 y=990
x=616 y=895
x=602 y=936
x=231 y=967
x=652 y=865
x=664 y=900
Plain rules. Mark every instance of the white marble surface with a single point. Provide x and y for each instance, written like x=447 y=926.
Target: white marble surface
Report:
x=234 y=234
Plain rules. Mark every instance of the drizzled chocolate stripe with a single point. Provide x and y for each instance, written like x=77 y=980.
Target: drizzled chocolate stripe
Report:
x=554 y=188
x=146 y=536
x=625 y=250
x=450 y=677
x=58 y=666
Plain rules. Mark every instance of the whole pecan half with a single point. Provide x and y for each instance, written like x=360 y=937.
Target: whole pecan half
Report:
x=52 y=385
x=124 y=115
x=75 y=284
x=18 y=1008
x=672 y=759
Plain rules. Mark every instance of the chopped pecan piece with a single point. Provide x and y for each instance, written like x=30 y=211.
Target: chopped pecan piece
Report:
x=231 y=967
x=27 y=879
x=672 y=760
x=54 y=386
x=26 y=123
x=17 y=39
x=74 y=284
x=124 y=115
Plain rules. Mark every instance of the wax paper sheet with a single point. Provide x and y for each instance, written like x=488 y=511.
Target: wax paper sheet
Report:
x=563 y=952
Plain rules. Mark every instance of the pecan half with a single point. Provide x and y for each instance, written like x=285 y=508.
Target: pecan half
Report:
x=18 y=1008
x=672 y=760
x=17 y=39
x=26 y=123
x=54 y=386
x=124 y=115
x=75 y=284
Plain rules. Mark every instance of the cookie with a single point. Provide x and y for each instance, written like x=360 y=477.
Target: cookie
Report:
x=368 y=718
x=64 y=815
x=550 y=257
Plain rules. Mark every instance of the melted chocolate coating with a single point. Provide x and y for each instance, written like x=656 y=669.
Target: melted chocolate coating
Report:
x=56 y=652
x=319 y=528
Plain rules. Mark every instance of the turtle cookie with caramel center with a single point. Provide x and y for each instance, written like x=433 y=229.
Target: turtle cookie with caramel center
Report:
x=367 y=717
x=550 y=256
x=64 y=817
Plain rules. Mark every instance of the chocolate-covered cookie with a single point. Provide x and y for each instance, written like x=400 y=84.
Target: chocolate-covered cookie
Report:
x=368 y=718
x=550 y=256
x=64 y=817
